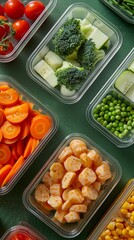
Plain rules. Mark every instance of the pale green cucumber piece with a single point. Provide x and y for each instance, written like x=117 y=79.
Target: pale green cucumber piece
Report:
x=98 y=37
x=130 y=93
x=131 y=66
x=45 y=71
x=124 y=81
x=53 y=60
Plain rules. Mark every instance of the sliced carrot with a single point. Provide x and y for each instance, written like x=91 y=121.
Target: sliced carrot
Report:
x=9 y=97
x=9 y=142
x=14 y=170
x=11 y=160
x=1 y=136
x=4 y=172
x=20 y=147
x=28 y=148
x=40 y=126
x=2 y=116
x=25 y=129
x=14 y=151
x=5 y=153
x=35 y=144
x=18 y=113
x=1 y=166
x=10 y=130
x=4 y=87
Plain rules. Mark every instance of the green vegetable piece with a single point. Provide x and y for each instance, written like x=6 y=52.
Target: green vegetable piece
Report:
x=124 y=82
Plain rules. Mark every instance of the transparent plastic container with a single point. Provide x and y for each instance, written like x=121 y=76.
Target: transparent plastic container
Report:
x=113 y=215
x=34 y=26
x=37 y=106
x=79 y=11
x=21 y=231
x=70 y=230
x=118 y=9
x=110 y=89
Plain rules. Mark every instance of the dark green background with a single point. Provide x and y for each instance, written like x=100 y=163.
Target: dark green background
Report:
x=71 y=119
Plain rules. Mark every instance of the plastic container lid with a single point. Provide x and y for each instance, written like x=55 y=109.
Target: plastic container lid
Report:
x=114 y=214
x=34 y=26
x=24 y=230
x=110 y=89
x=119 y=10
x=70 y=230
x=83 y=12
x=7 y=80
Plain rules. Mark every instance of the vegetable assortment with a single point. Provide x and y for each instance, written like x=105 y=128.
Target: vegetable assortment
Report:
x=73 y=182
x=15 y=21
x=125 y=5
x=21 y=129
x=76 y=48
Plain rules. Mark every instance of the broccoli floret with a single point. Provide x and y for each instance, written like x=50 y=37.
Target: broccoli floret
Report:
x=72 y=77
x=68 y=38
x=88 y=55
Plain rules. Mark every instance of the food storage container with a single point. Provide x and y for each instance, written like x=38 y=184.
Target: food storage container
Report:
x=23 y=231
x=24 y=134
x=18 y=45
x=42 y=69
x=119 y=219
x=121 y=9
x=44 y=211
x=115 y=119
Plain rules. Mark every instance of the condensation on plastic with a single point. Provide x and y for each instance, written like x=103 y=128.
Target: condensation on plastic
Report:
x=37 y=106
x=70 y=230
x=34 y=26
x=80 y=11
x=108 y=88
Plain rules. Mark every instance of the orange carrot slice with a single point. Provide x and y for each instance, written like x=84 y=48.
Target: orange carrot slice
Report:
x=17 y=114
x=4 y=87
x=9 y=97
x=11 y=160
x=28 y=148
x=40 y=126
x=1 y=136
x=25 y=129
x=4 y=172
x=2 y=116
x=14 y=170
x=10 y=130
x=20 y=147
x=5 y=153
x=9 y=142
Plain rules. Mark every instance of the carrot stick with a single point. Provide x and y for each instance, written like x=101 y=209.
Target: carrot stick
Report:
x=4 y=172
x=14 y=170
x=28 y=148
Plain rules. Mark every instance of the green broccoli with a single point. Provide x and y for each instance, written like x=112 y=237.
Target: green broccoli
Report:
x=68 y=38
x=88 y=55
x=72 y=77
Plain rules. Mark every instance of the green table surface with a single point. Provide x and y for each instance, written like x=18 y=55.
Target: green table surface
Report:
x=12 y=209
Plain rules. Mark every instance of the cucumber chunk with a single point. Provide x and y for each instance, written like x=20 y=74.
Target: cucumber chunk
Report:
x=124 y=82
x=53 y=60
x=45 y=71
x=98 y=37
x=130 y=93
x=131 y=66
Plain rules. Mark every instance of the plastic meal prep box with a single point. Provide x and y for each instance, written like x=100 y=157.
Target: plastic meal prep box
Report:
x=34 y=26
x=94 y=26
x=9 y=142
x=23 y=231
x=112 y=109
x=44 y=211
x=119 y=8
x=119 y=219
